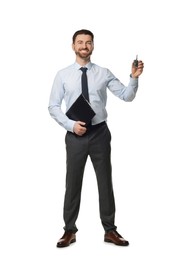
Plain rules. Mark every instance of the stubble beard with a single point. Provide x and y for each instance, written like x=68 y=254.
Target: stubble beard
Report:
x=85 y=56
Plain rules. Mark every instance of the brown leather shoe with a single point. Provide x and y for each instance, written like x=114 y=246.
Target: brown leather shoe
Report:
x=66 y=239
x=115 y=238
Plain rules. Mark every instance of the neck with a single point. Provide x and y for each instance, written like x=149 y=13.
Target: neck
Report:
x=82 y=61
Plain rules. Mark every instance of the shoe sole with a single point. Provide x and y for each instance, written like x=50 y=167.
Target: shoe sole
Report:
x=110 y=241
x=72 y=241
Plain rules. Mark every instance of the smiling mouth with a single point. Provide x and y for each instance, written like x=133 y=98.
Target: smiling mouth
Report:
x=85 y=50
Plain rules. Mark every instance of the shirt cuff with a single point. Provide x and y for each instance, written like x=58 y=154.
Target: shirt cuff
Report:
x=70 y=126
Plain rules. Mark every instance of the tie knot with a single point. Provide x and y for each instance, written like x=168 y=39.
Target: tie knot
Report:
x=84 y=69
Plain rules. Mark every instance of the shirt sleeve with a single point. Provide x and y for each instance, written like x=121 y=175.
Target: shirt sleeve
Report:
x=126 y=93
x=55 y=104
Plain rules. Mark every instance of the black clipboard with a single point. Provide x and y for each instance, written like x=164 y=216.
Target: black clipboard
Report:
x=81 y=110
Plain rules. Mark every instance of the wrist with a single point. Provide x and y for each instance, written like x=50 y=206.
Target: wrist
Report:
x=133 y=76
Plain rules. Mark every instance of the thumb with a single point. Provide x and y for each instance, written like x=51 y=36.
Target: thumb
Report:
x=81 y=123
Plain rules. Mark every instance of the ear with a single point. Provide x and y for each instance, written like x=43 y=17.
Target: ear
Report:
x=73 y=47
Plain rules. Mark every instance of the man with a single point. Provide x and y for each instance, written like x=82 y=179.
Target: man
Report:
x=92 y=140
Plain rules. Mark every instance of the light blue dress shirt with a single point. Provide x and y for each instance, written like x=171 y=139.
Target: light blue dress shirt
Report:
x=67 y=87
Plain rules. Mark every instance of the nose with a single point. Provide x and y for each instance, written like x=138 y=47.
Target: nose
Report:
x=84 y=45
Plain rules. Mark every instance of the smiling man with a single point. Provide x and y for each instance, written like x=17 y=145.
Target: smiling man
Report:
x=83 y=47
x=92 y=140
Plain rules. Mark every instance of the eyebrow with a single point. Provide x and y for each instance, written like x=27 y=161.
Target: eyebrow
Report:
x=82 y=41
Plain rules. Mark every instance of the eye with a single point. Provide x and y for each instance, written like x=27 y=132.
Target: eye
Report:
x=79 y=42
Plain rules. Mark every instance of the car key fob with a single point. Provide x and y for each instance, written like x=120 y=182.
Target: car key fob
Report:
x=136 y=61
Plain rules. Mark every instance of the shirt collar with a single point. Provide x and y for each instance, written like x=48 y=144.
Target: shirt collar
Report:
x=88 y=65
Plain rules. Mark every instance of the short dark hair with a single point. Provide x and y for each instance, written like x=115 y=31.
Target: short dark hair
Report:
x=82 y=31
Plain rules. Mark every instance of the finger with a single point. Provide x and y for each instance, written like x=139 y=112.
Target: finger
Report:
x=81 y=132
x=81 y=123
x=140 y=65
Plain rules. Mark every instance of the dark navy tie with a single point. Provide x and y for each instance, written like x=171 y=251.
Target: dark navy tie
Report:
x=84 y=83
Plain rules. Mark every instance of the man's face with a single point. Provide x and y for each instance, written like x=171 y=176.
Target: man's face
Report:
x=83 y=46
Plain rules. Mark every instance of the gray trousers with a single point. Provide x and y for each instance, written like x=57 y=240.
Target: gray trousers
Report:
x=96 y=144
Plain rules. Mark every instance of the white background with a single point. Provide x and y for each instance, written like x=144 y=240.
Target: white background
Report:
x=35 y=43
